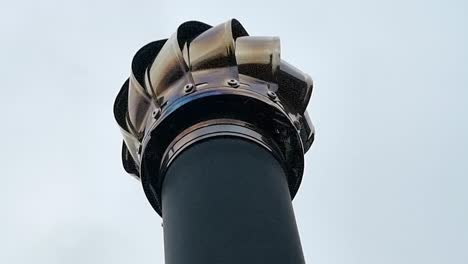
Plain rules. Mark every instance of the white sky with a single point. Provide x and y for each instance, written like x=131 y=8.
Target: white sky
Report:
x=385 y=181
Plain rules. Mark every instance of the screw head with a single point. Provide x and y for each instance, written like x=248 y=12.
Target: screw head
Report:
x=189 y=87
x=233 y=83
x=272 y=95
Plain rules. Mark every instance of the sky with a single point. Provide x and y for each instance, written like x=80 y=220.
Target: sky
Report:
x=385 y=181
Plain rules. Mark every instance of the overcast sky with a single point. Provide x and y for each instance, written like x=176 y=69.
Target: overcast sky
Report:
x=385 y=182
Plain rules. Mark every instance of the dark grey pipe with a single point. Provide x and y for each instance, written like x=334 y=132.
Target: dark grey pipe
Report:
x=226 y=200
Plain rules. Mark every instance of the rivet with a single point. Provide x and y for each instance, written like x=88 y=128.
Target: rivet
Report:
x=188 y=88
x=272 y=95
x=233 y=83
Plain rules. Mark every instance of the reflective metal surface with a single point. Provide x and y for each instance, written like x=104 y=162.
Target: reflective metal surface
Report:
x=203 y=73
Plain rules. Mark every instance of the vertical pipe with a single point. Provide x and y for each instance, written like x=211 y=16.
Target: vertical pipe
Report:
x=226 y=200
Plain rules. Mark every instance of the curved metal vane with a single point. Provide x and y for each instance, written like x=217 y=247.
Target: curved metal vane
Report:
x=216 y=77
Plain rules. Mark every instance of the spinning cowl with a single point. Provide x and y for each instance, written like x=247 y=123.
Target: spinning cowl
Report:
x=206 y=82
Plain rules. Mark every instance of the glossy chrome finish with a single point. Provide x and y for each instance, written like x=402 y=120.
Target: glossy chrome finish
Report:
x=211 y=81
